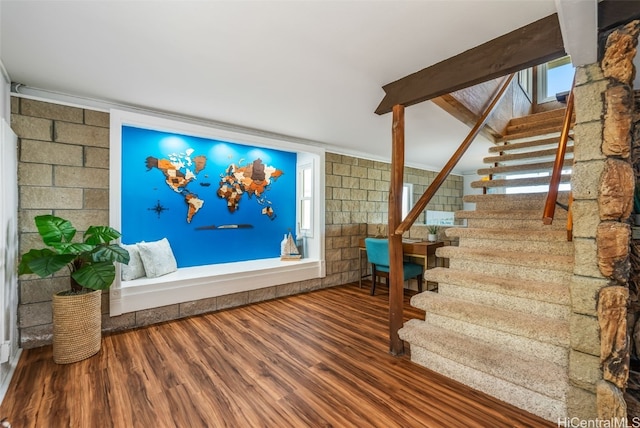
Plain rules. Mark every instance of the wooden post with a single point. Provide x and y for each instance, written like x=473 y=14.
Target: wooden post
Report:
x=396 y=281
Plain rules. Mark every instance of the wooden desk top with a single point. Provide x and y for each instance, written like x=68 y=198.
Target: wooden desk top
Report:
x=422 y=248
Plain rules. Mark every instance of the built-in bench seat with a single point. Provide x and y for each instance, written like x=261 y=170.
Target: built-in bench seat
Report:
x=201 y=282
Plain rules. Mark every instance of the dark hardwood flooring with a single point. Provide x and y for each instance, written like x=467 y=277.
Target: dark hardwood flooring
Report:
x=318 y=359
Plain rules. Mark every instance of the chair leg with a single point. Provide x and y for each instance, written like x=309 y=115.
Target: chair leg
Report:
x=419 y=278
x=373 y=279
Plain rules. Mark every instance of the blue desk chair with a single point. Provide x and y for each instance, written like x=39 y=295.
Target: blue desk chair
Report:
x=378 y=255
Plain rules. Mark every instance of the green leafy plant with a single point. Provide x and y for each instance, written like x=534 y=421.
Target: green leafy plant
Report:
x=91 y=262
x=433 y=229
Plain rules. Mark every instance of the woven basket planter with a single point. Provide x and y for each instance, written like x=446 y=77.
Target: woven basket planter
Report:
x=77 y=327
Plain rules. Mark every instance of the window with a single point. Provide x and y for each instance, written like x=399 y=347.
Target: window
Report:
x=305 y=175
x=407 y=199
x=554 y=77
x=535 y=189
x=525 y=80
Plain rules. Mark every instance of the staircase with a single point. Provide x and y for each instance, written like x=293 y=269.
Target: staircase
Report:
x=499 y=319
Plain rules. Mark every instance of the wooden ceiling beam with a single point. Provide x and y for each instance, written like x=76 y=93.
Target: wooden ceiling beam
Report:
x=612 y=13
x=533 y=44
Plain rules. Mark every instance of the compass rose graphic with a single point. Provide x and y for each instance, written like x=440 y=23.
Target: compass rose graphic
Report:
x=158 y=208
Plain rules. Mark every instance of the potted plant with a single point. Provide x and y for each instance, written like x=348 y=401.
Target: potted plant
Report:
x=91 y=263
x=433 y=232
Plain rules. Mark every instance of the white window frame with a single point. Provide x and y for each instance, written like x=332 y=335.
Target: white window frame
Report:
x=542 y=79
x=525 y=80
x=407 y=199
x=306 y=200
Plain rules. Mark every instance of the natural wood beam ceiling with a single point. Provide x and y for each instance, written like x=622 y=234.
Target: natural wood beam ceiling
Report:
x=533 y=44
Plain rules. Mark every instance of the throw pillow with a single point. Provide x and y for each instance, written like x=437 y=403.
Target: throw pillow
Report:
x=135 y=268
x=157 y=258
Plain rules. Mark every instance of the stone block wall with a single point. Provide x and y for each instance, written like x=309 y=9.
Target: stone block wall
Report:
x=357 y=192
x=64 y=170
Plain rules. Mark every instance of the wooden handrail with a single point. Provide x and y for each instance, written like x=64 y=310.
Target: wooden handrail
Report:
x=455 y=158
x=554 y=184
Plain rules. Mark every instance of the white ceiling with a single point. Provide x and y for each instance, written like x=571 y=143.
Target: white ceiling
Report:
x=307 y=69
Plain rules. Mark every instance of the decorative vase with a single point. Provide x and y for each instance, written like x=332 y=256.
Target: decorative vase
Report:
x=77 y=326
x=432 y=237
x=283 y=244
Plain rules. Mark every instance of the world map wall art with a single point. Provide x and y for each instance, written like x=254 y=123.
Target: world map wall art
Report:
x=215 y=201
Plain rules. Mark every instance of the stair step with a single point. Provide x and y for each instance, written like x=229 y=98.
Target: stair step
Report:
x=532 y=290
x=508 y=258
x=544 y=115
x=506 y=202
x=527 y=144
x=518 y=182
x=540 y=133
x=508 y=376
x=534 y=125
x=525 y=156
x=510 y=342
x=513 y=219
x=517 y=235
x=531 y=297
x=509 y=270
x=523 y=167
x=517 y=368
x=494 y=223
x=554 y=248
x=541 y=329
x=503 y=215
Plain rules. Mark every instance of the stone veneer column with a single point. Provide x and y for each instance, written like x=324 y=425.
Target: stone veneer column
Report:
x=603 y=183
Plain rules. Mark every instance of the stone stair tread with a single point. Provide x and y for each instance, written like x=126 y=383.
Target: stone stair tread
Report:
x=511 y=258
x=538 y=375
x=534 y=327
x=525 y=155
x=526 y=144
x=533 y=290
x=522 y=235
x=519 y=182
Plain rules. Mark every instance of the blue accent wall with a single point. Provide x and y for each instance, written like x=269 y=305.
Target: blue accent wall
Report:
x=153 y=209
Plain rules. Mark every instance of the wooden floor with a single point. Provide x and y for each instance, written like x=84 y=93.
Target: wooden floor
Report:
x=314 y=360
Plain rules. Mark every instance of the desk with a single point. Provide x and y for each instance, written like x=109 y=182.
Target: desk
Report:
x=419 y=250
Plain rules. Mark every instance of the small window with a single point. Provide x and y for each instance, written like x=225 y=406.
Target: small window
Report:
x=554 y=77
x=525 y=80
x=407 y=199
x=306 y=199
